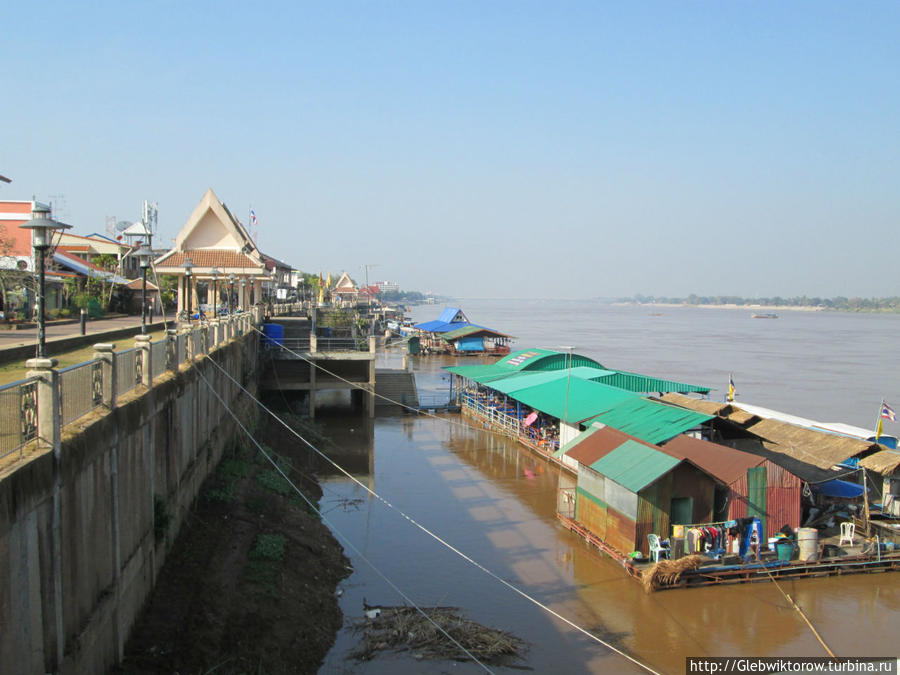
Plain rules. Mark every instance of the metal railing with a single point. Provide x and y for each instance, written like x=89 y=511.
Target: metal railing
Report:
x=127 y=370
x=18 y=415
x=85 y=386
x=342 y=345
x=78 y=391
x=158 y=358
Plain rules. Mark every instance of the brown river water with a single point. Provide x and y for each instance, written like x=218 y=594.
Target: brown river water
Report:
x=495 y=501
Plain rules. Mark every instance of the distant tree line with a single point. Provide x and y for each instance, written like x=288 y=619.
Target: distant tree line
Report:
x=839 y=303
x=402 y=296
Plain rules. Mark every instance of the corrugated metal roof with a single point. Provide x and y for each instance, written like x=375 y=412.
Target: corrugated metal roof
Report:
x=471 y=330
x=634 y=465
x=646 y=385
x=572 y=399
x=594 y=443
x=720 y=461
x=650 y=421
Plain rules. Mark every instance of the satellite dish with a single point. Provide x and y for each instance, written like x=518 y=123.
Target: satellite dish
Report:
x=123 y=225
x=21 y=264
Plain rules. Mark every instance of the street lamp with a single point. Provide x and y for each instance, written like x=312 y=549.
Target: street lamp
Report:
x=42 y=228
x=144 y=255
x=243 y=291
x=231 y=293
x=215 y=275
x=188 y=270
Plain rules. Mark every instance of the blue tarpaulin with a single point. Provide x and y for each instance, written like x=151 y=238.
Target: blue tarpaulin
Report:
x=838 y=488
x=470 y=344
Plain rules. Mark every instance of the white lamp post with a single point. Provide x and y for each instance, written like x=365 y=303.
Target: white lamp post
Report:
x=42 y=227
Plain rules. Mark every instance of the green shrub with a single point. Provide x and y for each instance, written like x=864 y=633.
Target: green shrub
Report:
x=269 y=547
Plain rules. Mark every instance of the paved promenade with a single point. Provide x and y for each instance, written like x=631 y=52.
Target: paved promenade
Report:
x=15 y=340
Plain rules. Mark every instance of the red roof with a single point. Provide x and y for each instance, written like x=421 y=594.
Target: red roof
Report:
x=210 y=258
x=601 y=443
x=724 y=463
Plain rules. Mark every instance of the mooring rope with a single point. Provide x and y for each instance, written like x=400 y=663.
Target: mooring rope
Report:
x=433 y=535
x=797 y=607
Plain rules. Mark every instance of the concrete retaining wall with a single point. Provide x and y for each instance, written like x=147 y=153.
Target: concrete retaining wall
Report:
x=83 y=533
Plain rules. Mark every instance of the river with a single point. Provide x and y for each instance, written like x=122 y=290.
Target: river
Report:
x=495 y=501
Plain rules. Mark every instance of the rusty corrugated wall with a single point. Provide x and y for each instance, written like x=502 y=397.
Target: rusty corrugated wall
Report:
x=654 y=502
x=784 y=493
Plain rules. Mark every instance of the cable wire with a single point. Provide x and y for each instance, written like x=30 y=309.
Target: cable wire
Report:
x=315 y=508
x=436 y=537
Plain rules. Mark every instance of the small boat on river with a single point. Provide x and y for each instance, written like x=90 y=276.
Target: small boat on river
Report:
x=765 y=315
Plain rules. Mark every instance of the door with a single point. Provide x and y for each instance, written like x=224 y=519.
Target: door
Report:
x=756 y=497
x=682 y=511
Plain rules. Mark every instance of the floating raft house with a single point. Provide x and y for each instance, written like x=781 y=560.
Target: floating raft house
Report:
x=453 y=333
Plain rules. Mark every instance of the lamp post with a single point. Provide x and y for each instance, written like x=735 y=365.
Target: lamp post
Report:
x=144 y=255
x=215 y=276
x=188 y=271
x=42 y=228
x=243 y=291
x=231 y=293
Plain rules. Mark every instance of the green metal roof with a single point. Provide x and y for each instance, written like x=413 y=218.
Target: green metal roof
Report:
x=634 y=465
x=531 y=378
x=572 y=399
x=524 y=359
x=645 y=384
x=470 y=330
x=650 y=421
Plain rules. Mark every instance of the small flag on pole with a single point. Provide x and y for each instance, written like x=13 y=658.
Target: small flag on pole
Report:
x=730 y=387
x=886 y=413
x=253 y=218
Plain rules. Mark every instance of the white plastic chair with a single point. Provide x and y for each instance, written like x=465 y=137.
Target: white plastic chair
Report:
x=848 y=529
x=656 y=548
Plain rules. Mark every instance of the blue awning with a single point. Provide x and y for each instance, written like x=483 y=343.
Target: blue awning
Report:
x=838 y=488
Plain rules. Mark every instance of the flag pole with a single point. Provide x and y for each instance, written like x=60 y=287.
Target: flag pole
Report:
x=878 y=420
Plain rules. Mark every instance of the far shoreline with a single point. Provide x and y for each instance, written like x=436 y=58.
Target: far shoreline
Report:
x=756 y=308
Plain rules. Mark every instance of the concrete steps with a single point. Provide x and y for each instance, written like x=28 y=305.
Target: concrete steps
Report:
x=396 y=385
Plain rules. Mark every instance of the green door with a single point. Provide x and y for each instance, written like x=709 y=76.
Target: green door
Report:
x=756 y=497
x=683 y=511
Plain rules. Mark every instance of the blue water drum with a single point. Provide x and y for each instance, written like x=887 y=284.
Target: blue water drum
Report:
x=273 y=335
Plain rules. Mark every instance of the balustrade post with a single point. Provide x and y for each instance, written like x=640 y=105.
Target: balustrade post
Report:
x=105 y=352
x=313 y=343
x=48 y=404
x=213 y=332
x=142 y=342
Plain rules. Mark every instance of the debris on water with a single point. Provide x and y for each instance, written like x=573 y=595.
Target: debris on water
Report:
x=405 y=628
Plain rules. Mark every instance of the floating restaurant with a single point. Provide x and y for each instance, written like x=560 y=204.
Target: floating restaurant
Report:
x=453 y=333
x=684 y=491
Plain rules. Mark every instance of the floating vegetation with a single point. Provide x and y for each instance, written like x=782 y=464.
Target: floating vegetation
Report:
x=406 y=629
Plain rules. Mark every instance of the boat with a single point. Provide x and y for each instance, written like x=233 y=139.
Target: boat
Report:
x=765 y=315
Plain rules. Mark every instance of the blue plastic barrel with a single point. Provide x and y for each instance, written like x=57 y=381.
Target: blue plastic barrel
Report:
x=273 y=335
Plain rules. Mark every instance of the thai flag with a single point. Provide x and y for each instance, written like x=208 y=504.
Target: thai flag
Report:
x=887 y=412
x=253 y=217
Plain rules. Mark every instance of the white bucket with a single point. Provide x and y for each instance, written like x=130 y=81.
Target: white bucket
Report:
x=808 y=541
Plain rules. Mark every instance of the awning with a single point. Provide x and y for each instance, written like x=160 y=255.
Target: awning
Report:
x=838 y=488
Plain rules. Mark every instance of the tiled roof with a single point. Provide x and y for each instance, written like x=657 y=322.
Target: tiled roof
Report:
x=137 y=284
x=209 y=258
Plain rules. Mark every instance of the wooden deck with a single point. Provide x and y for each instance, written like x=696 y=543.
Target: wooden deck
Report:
x=718 y=575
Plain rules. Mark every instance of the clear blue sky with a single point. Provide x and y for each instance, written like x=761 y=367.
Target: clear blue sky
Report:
x=507 y=149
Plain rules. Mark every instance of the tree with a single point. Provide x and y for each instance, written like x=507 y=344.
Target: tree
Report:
x=12 y=275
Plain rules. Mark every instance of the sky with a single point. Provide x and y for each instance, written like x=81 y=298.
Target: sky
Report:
x=480 y=149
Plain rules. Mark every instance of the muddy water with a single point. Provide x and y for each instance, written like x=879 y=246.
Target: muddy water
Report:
x=495 y=501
